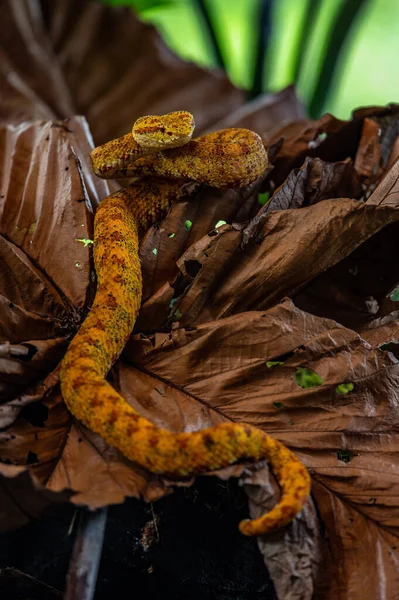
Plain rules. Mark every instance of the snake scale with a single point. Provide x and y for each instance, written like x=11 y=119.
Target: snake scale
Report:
x=160 y=153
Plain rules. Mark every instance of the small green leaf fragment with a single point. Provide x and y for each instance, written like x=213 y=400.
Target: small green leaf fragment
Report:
x=178 y=315
x=85 y=241
x=273 y=363
x=32 y=228
x=154 y=251
x=395 y=295
x=278 y=405
x=78 y=265
x=188 y=224
x=171 y=235
x=344 y=388
x=263 y=198
x=345 y=456
x=306 y=378
x=220 y=223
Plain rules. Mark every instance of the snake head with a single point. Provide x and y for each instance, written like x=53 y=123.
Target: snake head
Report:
x=166 y=131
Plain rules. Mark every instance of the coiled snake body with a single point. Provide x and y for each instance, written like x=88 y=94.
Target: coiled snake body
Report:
x=160 y=151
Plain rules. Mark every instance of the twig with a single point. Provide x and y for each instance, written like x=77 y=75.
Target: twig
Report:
x=334 y=45
x=263 y=43
x=203 y=10
x=46 y=591
x=86 y=555
x=72 y=523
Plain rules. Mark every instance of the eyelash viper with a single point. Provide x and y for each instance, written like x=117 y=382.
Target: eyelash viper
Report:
x=160 y=152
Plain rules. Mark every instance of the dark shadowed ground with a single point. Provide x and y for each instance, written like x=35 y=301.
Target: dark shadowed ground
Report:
x=197 y=554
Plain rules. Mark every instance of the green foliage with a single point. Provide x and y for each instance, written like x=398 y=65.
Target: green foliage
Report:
x=178 y=315
x=306 y=378
x=395 y=295
x=322 y=46
x=85 y=241
x=263 y=198
x=273 y=363
x=344 y=388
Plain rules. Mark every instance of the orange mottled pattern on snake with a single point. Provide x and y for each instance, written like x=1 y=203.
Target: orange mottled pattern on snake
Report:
x=109 y=323
x=222 y=159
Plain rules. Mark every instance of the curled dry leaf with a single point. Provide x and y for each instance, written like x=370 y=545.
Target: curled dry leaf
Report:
x=251 y=267
x=316 y=180
x=357 y=290
x=334 y=140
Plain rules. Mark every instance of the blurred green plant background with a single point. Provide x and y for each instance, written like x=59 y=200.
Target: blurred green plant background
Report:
x=340 y=54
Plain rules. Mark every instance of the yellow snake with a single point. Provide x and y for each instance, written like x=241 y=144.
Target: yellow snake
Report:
x=161 y=153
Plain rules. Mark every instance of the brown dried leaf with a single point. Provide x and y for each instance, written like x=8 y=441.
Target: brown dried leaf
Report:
x=45 y=272
x=368 y=156
x=275 y=255
x=356 y=290
x=262 y=114
x=18 y=101
x=218 y=371
x=82 y=57
x=223 y=364
x=186 y=223
x=316 y=180
x=29 y=64
x=22 y=499
x=45 y=208
x=21 y=366
x=332 y=140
